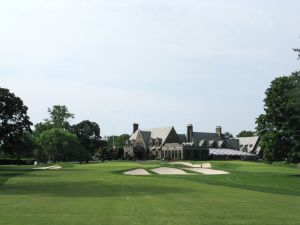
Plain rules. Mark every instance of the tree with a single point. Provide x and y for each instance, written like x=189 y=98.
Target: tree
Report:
x=59 y=116
x=58 y=145
x=88 y=134
x=294 y=154
x=116 y=146
x=245 y=133
x=119 y=141
x=279 y=124
x=42 y=126
x=228 y=135
x=14 y=121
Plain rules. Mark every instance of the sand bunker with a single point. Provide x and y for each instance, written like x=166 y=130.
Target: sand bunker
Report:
x=137 y=172
x=206 y=165
x=55 y=167
x=175 y=171
x=203 y=165
x=168 y=171
x=207 y=171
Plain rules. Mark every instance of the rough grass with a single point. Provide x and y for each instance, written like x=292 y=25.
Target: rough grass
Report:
x=254 y=193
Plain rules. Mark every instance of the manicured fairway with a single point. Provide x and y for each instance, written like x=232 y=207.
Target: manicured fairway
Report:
x=253 y=193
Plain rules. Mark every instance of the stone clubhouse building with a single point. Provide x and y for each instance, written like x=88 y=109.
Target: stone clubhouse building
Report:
x=166 y=143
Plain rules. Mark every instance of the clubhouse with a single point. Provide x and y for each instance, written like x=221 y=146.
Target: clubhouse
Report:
x=166 y=143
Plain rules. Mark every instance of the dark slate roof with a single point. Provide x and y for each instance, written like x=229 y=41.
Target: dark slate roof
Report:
x=146 y=136
x=198 y=136
x=182 y=138
x=233 y=143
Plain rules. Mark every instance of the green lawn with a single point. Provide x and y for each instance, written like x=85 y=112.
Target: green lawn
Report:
x=254 y=193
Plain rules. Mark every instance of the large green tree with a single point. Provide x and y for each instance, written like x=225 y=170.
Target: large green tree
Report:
x=14 y=121
x=279 y=124
x=88 y=134
x=58 y=145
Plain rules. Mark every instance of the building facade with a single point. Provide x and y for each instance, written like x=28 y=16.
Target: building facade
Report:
x=166 y=143
x=163 y=143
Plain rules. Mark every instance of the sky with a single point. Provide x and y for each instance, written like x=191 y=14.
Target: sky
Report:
x=159 y=63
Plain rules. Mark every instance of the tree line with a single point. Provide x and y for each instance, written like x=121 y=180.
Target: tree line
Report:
x=53 y=139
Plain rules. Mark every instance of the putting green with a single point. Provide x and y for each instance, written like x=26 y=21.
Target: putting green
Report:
x=252 y=194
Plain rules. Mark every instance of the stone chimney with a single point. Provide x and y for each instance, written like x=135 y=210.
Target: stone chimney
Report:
x=189 y=133
x=135 y=127
x=219 y=131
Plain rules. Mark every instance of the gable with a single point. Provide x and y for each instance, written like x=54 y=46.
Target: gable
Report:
x=140 y=139
x=173 y=137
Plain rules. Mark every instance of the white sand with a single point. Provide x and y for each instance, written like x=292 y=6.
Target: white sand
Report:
x=168 y=171
x=203 y=165
x=55 y=167
x=137 y=172
x=207 y=171
x=206 y=165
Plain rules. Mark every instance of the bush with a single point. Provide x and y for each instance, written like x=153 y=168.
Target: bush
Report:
x=7 y=161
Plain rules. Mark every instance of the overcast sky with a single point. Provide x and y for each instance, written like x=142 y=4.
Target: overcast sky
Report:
x=155 y=62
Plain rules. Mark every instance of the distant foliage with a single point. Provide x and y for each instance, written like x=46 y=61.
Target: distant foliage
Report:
x=280 y=124
x=246 y=133
x=119 y=141
x=228 y=135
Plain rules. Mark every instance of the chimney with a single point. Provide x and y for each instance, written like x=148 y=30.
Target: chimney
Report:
x=219 y=131
x=135 y=127
x=189 y=133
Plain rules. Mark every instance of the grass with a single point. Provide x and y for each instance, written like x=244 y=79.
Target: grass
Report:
x=253 y=193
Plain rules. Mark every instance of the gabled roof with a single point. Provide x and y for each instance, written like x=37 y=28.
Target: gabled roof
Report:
x=134 y=135
x=250 y=142
x=154 y=133
x=146 y=136
x=161 y=133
